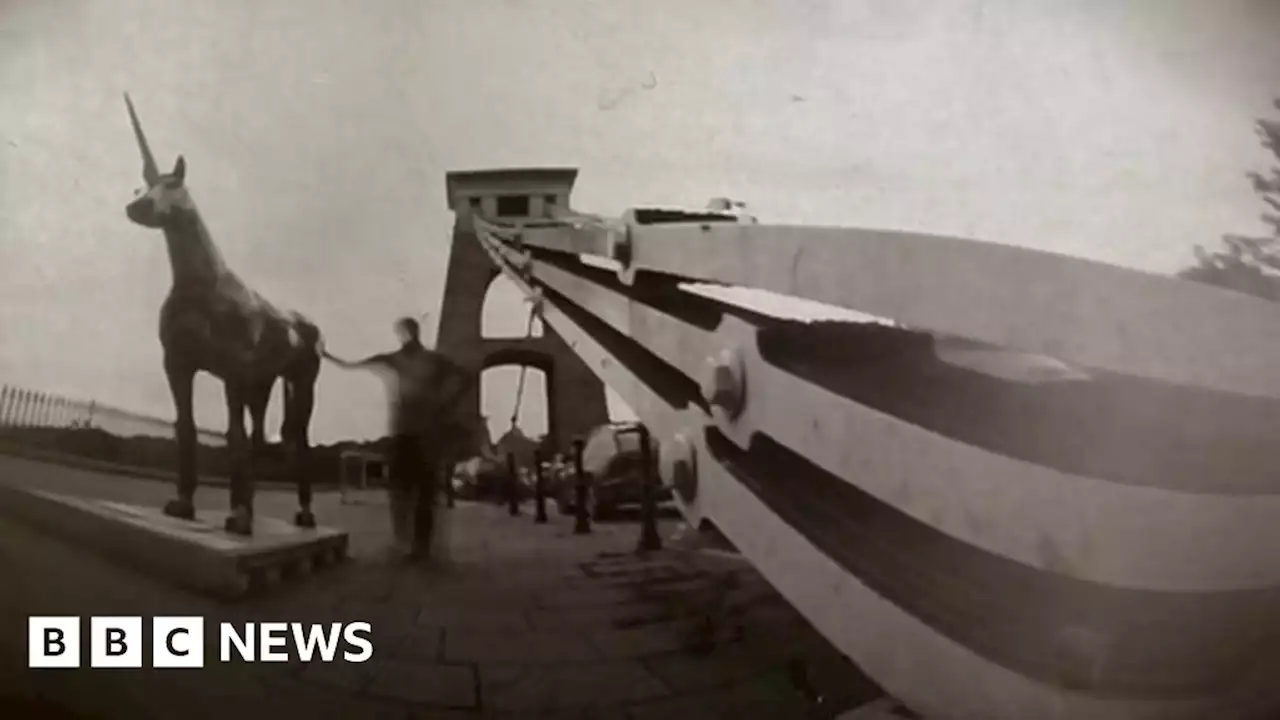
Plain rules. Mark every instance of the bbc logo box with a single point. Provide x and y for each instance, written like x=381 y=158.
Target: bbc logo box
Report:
x=179 y=642
x=114 y=642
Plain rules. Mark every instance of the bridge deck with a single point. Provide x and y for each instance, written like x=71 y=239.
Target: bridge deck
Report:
x=531 y=621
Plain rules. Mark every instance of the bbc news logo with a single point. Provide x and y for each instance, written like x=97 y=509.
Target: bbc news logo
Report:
x=178 y=642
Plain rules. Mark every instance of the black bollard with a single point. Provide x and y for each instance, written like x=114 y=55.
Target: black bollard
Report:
x=582 y=520
x=513 y=486
x=449 y=491
x=539 y=489
x=650 y=540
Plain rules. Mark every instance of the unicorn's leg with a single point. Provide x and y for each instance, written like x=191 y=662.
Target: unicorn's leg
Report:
x=259 y=398
x=181 y=384
x=301 y=404
x=241 y=519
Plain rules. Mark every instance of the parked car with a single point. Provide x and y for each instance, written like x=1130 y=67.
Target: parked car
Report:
x=612 y=463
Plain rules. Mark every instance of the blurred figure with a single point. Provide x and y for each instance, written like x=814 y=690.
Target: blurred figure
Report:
x=426 y=388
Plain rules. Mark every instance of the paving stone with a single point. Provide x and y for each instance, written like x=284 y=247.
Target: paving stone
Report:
x=541 y=688
x=635 y=572
x=371 y=590
x=472 y=645
x=369 y=708
x=595 y=713
x=497 y=676
x=642 y=641
x=775 y=613
x=348 y=676
x=479 y=617
x=451 y=686
x=379 y=614
x=685 y=673
x=758 y=699
x=423 y=643
x=285 y=698
x=585 y=595
x=588 y=617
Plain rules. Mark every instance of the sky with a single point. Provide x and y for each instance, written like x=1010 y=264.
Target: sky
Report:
x=317 y=135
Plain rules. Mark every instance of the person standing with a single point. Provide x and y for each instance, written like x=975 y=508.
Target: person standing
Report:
x=426 y=389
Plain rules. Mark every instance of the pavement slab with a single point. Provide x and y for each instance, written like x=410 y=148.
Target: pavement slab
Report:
x=432 y=683
x=540 y=688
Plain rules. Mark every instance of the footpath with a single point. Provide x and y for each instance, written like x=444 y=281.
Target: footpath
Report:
x=525 y=621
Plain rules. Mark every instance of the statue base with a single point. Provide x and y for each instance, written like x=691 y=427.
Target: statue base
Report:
x=196 y=554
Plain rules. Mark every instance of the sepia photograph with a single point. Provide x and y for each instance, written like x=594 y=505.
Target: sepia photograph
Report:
x=515 y=359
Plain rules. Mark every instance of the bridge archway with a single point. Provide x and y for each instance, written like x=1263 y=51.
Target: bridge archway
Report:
x=505 y=313
x=575 y=396
x=502 y=395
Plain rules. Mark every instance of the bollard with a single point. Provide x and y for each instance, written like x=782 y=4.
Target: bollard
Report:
x=513 y=486
x=582 y=516
x=449 y=469
x=539 y=489
x=650 y=540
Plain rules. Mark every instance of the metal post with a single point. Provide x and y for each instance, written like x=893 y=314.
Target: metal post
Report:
x=650 y=540
x=513 y=486
x=582 y=521
x=343 y=469
x=449 y=469
x=539 y=488
x=4 y=406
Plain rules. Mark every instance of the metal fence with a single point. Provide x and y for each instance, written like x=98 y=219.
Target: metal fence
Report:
x=22 y=408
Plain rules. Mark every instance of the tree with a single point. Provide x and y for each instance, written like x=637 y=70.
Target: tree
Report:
x=1249 y=264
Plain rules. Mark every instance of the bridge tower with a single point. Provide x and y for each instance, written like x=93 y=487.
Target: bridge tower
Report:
x=575 y=396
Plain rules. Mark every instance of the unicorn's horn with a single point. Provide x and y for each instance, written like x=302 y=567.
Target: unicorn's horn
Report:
x=150 y=172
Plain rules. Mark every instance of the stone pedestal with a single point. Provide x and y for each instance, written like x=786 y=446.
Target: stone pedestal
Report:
x=196 y=554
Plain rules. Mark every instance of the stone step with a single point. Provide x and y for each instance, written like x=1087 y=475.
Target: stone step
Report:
x=194 y=554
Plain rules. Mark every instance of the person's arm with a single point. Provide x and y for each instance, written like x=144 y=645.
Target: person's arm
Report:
x=371 y=361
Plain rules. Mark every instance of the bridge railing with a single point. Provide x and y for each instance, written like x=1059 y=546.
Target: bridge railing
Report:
x=35 y=410
x=983 y=547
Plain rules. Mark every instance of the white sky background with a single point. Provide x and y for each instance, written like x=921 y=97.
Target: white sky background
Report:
x=318 y=133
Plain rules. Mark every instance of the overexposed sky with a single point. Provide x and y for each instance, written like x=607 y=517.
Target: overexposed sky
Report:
x=317 y=135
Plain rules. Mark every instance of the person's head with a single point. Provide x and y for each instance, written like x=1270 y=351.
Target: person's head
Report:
x=408 y=331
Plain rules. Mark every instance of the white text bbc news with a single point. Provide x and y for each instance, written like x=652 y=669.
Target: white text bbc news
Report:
x=179 y=642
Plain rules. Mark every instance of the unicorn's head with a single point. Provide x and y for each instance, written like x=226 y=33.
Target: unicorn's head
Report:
x=165 y=196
